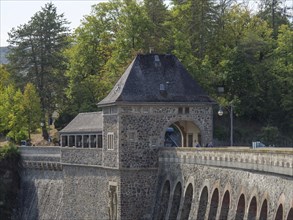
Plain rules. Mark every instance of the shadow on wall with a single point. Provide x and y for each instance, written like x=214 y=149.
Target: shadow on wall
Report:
x=40 y=195
x=9 y=186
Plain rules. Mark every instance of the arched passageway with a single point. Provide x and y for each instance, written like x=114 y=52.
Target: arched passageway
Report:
x=214 y=205
x=252 y=209
x=182 y=134
x=279 y=214
x=264 y=211
x=187 y=203
x=240 y=208
x=164 y=201
x=290 y=214
x=202 y=204
x=176 y=201
x=225 y=206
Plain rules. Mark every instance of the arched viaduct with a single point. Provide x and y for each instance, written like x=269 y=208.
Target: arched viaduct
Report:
x=224 y=184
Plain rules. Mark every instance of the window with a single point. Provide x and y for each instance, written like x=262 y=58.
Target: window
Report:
x=100 y=141
x=110 y=110
x=93 y=141
x=180 y=110
x=110 y=141
x=187 y=110
x=132 y=136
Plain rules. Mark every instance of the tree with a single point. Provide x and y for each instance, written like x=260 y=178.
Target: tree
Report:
x=274 y=13
x=11 y=113
x=88 y=77
x=36 y=56
x=32 y=108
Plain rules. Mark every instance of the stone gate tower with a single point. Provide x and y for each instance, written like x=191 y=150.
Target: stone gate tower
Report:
x=155 y=104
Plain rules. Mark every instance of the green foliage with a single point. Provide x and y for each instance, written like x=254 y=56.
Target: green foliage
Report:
x=36 y=56
x=9 y=180
x=269 y=135
x=32 y=108
x=220 y=43
x=10 y=151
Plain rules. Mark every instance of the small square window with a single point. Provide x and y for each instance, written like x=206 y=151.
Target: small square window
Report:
x=132 y=136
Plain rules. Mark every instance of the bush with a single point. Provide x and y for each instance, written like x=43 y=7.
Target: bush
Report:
x=269 y=135
x=9 y=151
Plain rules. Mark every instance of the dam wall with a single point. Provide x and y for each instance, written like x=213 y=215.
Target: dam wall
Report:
x=189 y=183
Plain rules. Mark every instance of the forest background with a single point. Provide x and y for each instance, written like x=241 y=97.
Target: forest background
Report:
x=53 y=74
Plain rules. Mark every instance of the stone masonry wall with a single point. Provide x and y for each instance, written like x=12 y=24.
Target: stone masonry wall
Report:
x=90 y=156
x=142 y=130
x=138 y=188
x=110 y=125
x=85 y=192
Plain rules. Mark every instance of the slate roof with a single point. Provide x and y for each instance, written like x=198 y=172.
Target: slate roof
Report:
x=149 y=73
x=85 y=123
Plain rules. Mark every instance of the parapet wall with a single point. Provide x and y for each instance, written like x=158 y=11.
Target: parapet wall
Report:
x=266 y=160
x=46 y=158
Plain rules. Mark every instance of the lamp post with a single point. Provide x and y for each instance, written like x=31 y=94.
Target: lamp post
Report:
x=230 y=110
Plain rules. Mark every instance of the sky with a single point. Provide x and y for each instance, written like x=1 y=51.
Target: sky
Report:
x=16 y=12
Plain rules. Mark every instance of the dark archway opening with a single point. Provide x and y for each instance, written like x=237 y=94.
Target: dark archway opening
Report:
x=290 y=215
x=202 y=204
x=252 y=209
x=176 y=201
x=182 y=134
x=164 y=201
x=264 y=211
x=240 y=208
x=225 y=206
x=214 y=205
x=173 y=137
x=187 y=203
x=279 y=214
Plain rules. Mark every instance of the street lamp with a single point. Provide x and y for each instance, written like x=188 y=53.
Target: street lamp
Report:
x=230 y=110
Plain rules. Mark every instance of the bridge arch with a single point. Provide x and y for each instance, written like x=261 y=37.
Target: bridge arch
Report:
x=225 y=205
x=177 y=193
x=188 y=197
x=214 y=204
x=164 y=200
x=183 y=118
x=263 y=215
x=203 y=202
x=252 y=210
x=290 y=214
x=240 y=211
x=279 y=213
x=263 y=207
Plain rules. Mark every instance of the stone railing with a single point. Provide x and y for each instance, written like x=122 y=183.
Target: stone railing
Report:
x=264 y=160
x=47 y=158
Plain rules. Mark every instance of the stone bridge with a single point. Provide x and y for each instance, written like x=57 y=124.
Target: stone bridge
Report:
x=224 y=184
x=192 y=183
